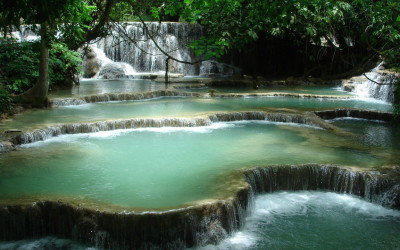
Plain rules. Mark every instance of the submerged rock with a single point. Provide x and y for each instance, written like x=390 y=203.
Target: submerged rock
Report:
x=214 y=68
x=6 y=146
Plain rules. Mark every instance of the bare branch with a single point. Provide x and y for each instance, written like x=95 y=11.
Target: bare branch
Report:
x=145 y=27
x=162 y=50
x=382 y=84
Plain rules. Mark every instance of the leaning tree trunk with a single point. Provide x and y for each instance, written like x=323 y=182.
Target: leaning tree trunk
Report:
x=37 y=95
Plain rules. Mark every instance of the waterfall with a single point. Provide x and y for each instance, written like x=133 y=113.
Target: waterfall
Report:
x=306 y=120
x=118 y=228
x=372 y=186
x=377 y=84
x=24 y=34
x=134 y=46
x=192 y=225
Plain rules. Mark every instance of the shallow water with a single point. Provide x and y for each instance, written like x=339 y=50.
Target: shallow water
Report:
x=162 y=167
x=174 y=107
x=98 y=86
x=315 y=90
x=315 y=220
x=374 y=133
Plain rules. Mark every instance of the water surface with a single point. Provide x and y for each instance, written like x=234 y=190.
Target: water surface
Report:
x=374 y=133
x=100 y=86
x=314 y=90
x=175 y=107
x=291 y=220
x=315 y=220
x=161 y=167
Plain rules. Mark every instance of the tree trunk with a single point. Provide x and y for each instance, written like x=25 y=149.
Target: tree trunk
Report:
x=37 y=95
x=166 y=72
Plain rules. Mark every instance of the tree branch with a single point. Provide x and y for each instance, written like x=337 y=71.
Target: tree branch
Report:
x=382 y=84
x=162 y=50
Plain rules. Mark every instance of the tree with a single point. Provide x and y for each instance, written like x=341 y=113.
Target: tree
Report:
x=352 y=32
x=45 y=16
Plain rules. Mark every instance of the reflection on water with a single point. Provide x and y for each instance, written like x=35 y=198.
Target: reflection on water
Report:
x=97 y=86
x=374 y=133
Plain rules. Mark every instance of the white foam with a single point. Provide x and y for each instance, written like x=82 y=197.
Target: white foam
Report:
x=295 y=202
x=67 y=138
x=271 y=207
x=75 y=138
x=83 y=106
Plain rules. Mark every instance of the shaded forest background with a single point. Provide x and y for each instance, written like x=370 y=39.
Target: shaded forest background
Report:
x=303 y=38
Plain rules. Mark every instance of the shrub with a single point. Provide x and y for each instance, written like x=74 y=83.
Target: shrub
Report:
x=5 y=101
x=64 y=64
x=19 y=64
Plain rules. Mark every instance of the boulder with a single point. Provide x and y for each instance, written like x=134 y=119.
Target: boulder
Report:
x=6 y=146
x=94 y=59
x=116 y=70
x=214 y=68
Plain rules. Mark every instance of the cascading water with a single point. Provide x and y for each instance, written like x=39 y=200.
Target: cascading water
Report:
x=132 y=44
x=206 y=223
x=24 y=34
x=377 y=84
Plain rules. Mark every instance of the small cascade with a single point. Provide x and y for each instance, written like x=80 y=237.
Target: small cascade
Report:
x=120 y=97
x=79 y=128
x=172 y=92
x=377 y=84
x=271 y=117
x=372 y=186
x=132 y=44
x=191 y=226
x=201 y=224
